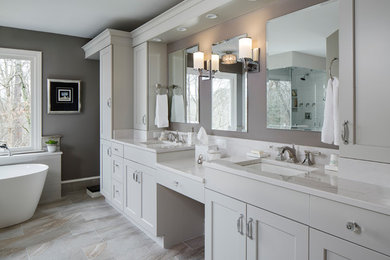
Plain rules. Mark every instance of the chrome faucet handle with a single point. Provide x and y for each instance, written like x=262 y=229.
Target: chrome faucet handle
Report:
x=309 y=155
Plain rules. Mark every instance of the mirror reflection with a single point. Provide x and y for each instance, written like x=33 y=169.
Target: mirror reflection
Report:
x=300 y=47
x=229 y=89
x=183 y=87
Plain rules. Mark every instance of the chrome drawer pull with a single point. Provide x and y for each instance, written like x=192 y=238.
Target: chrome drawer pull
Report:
x=240 y=224
x=345 y=135
x=354 y=227
x=249 y=229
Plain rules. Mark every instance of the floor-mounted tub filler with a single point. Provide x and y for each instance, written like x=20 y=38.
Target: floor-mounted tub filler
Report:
x=20 y=190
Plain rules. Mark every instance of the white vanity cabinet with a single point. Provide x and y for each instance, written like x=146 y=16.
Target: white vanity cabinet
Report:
x=105 y=168
x=364 y=90
x=150 y=68
x=327 y=247
x=113 y=50
x=236 y=230
x=140 y=195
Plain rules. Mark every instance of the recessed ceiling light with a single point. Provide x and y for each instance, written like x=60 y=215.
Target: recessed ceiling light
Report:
x=211 y=16
x=181 y=29
x=156 y=39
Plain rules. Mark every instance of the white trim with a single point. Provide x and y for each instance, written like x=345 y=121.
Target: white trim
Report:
x=80 y=179
x=36 y=93
x=174 y=17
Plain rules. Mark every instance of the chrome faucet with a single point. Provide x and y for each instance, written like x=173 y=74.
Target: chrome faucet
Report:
x=175 y=137
x=4 y=146
x=292 y=153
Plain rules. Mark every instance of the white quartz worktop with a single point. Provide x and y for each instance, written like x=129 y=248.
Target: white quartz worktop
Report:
x=318 y=183
x=186 y=167
x=153 y=147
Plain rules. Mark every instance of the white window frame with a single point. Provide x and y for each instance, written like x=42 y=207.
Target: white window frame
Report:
x=36 y=94
x=233 y=105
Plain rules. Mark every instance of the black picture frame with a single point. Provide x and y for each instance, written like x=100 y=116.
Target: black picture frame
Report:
x=63 y=96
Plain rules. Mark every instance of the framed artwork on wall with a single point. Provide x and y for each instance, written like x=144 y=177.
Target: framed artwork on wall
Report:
x=63 y=96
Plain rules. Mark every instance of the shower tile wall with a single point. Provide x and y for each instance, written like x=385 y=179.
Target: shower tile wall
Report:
x=310 y=94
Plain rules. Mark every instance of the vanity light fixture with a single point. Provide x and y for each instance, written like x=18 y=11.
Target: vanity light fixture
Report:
x=249 y=56
x=212 y=65
x=181 y=29
x=229 y=58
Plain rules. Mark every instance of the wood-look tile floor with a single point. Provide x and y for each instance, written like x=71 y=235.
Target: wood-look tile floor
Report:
x=78 y=227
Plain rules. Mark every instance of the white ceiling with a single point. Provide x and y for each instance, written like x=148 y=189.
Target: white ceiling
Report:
x=303 y=31
x=83 y=18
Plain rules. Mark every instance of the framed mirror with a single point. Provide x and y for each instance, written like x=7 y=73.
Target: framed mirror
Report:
x=229 y=89
x=183 y=87
x=300 y=48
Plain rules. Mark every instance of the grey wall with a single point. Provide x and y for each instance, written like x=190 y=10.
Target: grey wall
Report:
x=254 y=24
x=63 y=58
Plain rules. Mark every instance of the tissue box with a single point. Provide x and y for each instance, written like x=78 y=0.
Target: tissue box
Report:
x=202 y=149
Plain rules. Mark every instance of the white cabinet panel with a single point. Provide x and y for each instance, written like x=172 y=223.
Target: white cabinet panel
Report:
x=148 y=199
x=117 y=168
x=141 y=86
x=327 y=247
x=105 y=168
x=117 y=194
x=267 y=232
x=225 y=227
x=364 y=89
x=132 y=205
x=140 y=195
x=106 y=93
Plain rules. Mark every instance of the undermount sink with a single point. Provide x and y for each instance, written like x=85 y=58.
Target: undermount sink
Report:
x=161 y=144
x=281 y=169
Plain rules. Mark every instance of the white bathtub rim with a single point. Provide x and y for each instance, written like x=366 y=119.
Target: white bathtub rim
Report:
x=22 y=170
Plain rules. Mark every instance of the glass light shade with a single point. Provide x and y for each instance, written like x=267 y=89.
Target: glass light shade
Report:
x=245 y=48
x=229 y=59
x=215 y=62
x=198 y=60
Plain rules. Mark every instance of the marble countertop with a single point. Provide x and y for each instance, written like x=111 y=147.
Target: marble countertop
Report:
x=185 y=167
x=145 y=145
x=318 y=182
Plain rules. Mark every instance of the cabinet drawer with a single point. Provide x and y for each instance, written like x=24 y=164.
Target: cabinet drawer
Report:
x=140 y=156
x=117 y=149
x=333 y=217
x=181 y=184
x=282 y=201
x=117 y=168
x=117 y=194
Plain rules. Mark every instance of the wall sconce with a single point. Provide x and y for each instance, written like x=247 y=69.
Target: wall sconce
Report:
x=249 y=56
x=212 y=65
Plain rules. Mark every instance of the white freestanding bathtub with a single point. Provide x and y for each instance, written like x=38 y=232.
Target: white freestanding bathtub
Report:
x=20 y=189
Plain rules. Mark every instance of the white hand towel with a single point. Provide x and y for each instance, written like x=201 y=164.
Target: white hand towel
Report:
x=336 y=112
x=177 y=109
x=161 y=119
x=327 y=133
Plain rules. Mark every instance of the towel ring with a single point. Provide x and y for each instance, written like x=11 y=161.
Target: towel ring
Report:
x=330 y=67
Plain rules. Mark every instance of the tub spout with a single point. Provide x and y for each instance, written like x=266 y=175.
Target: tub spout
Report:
x=4 y=146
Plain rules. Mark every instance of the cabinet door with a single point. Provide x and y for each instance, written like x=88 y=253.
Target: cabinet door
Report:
x=327 y=247
x=364 y=90
x=105 y=168
x=132 y=205
x=141 y=86
x=225 y=227
x=106 y=93
x=148 y=199
x=270 y=236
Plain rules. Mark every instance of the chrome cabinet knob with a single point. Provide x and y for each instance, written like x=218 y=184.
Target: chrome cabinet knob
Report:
x=176 y=183
x=354 y=227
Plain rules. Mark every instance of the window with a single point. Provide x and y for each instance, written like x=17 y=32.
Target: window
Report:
x=20 y=99
x=192 y=96
x=224 y=101
x=279 y=104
